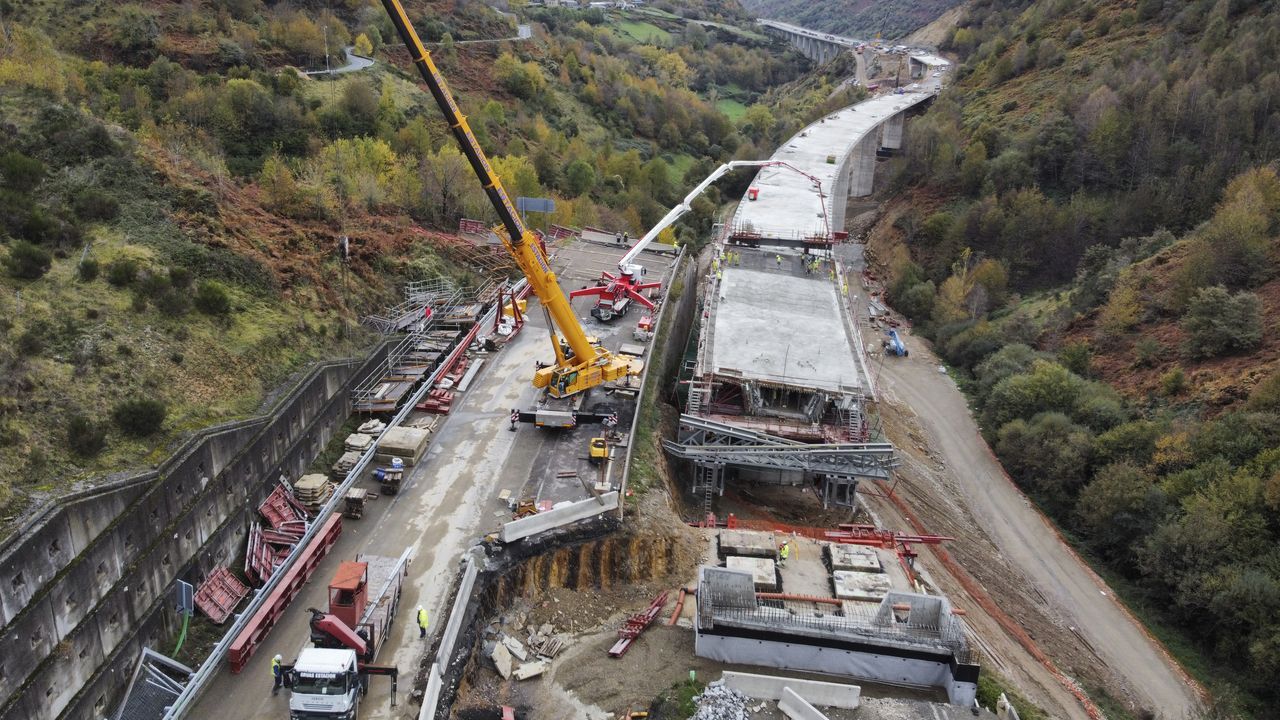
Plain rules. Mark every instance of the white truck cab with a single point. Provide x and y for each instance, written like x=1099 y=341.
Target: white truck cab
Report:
x=325 y=684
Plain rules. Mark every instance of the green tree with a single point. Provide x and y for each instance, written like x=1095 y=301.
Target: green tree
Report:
x=1047 y=387
x=1012 y=359
x=1119 y=507
x=1132 y=442
x=1048 y=454
x=580 y=178
x=363 y=46
x=134 y=33
x=1218 y=322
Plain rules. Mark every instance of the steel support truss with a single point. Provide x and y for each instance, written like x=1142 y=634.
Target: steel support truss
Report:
x=707 y=442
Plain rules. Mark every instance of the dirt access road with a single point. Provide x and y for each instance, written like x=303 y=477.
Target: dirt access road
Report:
x=1025 y=538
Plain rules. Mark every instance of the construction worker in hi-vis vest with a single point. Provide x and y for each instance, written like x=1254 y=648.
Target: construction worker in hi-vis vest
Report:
x=277 y=674
x=422 y=622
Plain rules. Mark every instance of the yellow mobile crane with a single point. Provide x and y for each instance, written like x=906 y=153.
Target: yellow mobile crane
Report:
x=580 y=364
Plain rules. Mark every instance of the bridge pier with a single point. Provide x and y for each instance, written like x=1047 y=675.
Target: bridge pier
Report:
x=891 y=132
x=862 y=165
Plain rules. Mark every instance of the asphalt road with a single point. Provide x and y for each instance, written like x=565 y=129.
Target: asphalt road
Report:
x=1027 y=539
x=447 y=501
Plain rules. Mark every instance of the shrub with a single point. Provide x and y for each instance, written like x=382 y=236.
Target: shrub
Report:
x=20 y=172
x=85 y=437
x=179 y=277
x=140 y=417
x=1266 y=396
x=122 y=272
x=31 y=341
x=88 y=270
x=153 y=284
x=1218 y=322
x=1076 y=357
x=1147 y=352
x=212 y=298
x=139 y=302
x=27 y=261
x=1173 y=382
x=93 y=204
x=173 y=303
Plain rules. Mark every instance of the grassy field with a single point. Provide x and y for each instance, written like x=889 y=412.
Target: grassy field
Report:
x=732 y=109
x=680 y=163
x=643 y=32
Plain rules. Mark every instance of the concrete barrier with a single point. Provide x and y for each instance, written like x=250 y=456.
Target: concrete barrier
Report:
x=796 y=708
x=552 y=519
x=771 y=687
x=454 y=625
x=431 y=698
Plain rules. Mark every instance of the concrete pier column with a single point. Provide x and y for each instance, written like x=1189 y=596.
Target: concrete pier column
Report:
x=891 y=132
x=862 y=166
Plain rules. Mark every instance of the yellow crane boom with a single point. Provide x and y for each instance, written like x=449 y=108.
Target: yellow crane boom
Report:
x=582 y=365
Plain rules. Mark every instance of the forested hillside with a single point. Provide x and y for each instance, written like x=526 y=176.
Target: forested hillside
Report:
x=174 y=189
x=891 y=19
x=1091 y=235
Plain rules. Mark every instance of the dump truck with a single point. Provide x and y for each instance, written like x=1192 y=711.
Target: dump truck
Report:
x=329 y=679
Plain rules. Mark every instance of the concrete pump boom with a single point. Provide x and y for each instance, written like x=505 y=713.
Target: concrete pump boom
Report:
x=625 y=266
x=584 y=365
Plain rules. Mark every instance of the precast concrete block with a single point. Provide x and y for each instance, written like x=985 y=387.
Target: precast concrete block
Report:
x=796 y=708
x=815 y=692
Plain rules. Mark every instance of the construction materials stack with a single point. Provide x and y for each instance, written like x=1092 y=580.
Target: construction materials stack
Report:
x=268 y=547
x=408 y=444
x=358 y=442
x=343 y=467
x=313 y=491
x=438 y=402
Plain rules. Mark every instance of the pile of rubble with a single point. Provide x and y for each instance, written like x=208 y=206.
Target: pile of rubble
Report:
x=523 y=660
x=718 y=702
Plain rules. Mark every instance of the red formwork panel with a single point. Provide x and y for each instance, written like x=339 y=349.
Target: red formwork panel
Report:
x=243 y=647
x=219 y=594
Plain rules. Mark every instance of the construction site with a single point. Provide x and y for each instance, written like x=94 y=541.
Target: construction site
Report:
x=452 y=527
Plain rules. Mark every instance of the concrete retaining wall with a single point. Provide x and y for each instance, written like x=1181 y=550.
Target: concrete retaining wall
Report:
x=770 y=687
x=559 y=517
x=93 y=571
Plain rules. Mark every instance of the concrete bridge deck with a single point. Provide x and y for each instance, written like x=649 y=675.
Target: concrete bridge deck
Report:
x=840 y=151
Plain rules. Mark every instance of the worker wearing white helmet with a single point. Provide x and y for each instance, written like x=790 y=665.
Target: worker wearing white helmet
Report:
x=277 y=674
